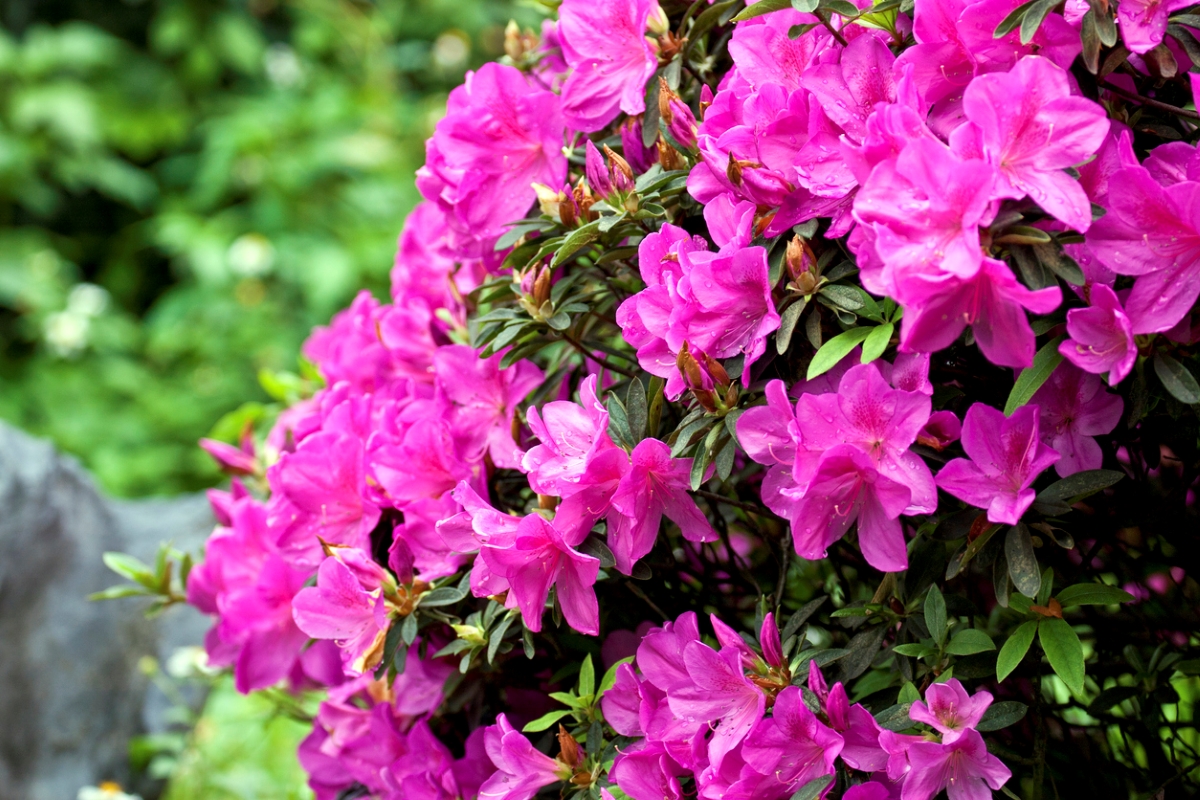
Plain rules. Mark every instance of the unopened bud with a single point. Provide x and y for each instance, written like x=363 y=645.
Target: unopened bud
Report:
x=513 y=46
x=568 y=747
x=619 y=169
x=541 y=287
x=802 y=265
x=669 y=158
x=719 y=375
x=657 y=23
x=733 y=171
x=689 y=368
x=680 y=121
x=582 y=201
x=547 y=502
x=596 y=171
x=549 y=199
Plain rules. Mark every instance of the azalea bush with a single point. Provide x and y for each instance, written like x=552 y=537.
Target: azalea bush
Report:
x=781 y=400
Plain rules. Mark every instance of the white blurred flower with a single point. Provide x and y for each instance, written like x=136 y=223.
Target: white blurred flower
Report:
x=251 y=255
x=87 y=299
x=283 y=66
x=67 y=332
x=187 y=662
x=451 y=49
x=105 y=791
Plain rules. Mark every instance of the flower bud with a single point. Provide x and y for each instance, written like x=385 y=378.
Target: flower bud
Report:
x=680 y=121
x=541 y=287
x=514 y=48
x=802 y=265
x=549 y=200
x=668 y=157
x=719 y=376
x=696 y=379
x=231 y=459
x=568 y=748
x=657 y=23
x=596 y=171
x=620 y=171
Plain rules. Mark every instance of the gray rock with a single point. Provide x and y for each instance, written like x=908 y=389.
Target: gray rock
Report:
x=71 y=694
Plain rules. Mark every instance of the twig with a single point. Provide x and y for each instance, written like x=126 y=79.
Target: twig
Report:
x=639 y=593
x=1117 y=90
x=753 y=509
x=601 y=360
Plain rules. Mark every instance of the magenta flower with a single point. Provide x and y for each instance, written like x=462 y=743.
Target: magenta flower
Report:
x=1074 y=408
x=925 y=209
x=792 y=743
x=1144 y=22
x=992 y=302
x=320 y=490
x=501 y=134
x=950 y=710
x=340 y=608
x=484 y=400
x=521 y=770
x=1101 y=336
x=860 y=732
x=880 y=421
x=964 y=767
x=720 y=693
x=647 y=772
x=570 y=434
x=1027 y=123
x=1005 y=457
x=611 y=60
x=424 y=464
x=1152 y=231
x=655 y=486
x=539 y=558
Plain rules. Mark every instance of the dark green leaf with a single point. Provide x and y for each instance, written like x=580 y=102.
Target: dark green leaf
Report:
x=1075 y=487
x=787 y=325
x=636 y=410
x=1033 y=18
x=725 y=458
x=618 y=421
x=861 y=651
x=595 y=547
x=935 y=614
x=1059 y=263
x=1022 y=561
x=587 y=677
x=801 y=616
x=1014 y=649
x=835 y=350
x=701 y=458
x=610 y=676
x=577 y=239
x=1043 y=595
x=1001 y=715
x=1090 y=34
x=843 y=297
x=1014 y=18
x=760 y=8
x=805 y=6
x=1177 y=379
x=1113 y=696
x=497 y=635
x=442 y=596
x=1032 y=378
x=970 y=641
x=895 y=718
x=812 y=790
x=1092 y=594
x=1063 y=650
x=408 y=629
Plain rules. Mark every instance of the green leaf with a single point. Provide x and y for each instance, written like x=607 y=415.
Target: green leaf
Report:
x=1010 y=23
x=1043 y=595
x=618 y=421
x=876 y=342
x=545 y=721
x=846 y=297
x=787 y=324
x=935 y=614
x=575 y=241
x=1075 y=487
x=762 y=7
x=496 y=637
x=442 y=596
x=408 y=629
x=1177 y=379
x=701 y=458
x=1033 y=19
x=637 y=410
x=805 y=6
x=835 y=350
x=1022 y=562
x=1014 y=650
x=842 y=7
x=117 y=592
x=970 y=641
x=725 y=459
x=587 y=677
x=909 y=693
x=1059 y=263
x=812 y=790
x=129 y=567
x=1032 y=378
x=895 y=718
x=1001 y=715
x=1063 y=650
x=1092 y=594
x=914 y=650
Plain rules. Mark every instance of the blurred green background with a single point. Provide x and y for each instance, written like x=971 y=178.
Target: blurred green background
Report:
x=186 y=187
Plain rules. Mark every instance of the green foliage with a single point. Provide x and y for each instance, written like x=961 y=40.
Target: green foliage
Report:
x=186 y=187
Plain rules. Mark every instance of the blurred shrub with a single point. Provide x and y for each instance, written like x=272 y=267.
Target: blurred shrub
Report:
x=186 y=186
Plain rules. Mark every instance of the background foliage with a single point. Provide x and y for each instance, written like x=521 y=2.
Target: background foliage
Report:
x=186 y=187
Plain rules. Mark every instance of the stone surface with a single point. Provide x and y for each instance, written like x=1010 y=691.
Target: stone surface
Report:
x=71 y=694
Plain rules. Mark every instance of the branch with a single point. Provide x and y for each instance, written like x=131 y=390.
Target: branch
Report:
x=1176 y=110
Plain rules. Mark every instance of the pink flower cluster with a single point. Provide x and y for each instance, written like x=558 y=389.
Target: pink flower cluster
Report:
x=702 y=713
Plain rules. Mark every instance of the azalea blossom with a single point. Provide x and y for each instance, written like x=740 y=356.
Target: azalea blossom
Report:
x=1074 y=408
x=1101 y=336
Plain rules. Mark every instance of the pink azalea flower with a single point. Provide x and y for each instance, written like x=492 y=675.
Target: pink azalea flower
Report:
x=418 y=534
x=356 y=735
x=719 y=692
x=950 y=710
x=1101 y=336
x=963 y=767
x=1027 y=123
x=647 y=772
x=570 y=434
x=425 y=272
x=484 y=400
x=501 y=134
x=424 y=463
x=1144 y=22
x=539 y=558
x=992 y=302
x=611 y=60
x=1005 y=457
x=942 y=430
x=350 y=349
x=792 y=744
x=656 y=485
x=420 y=689
x=341 y=608
x=520 y=769
x=868 y=791
x=1152 y=231
x=860 y=732
x=925 y=209
x=233 y=460
x=1074 y=408
x=320 y=491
